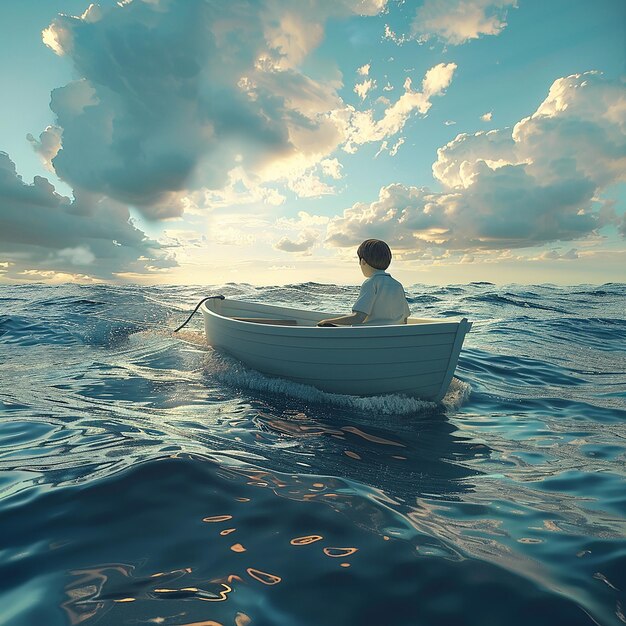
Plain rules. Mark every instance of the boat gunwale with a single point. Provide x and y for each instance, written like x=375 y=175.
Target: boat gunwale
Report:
x=343 y=331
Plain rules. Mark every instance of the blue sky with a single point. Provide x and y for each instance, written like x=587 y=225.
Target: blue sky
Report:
x=187 y=141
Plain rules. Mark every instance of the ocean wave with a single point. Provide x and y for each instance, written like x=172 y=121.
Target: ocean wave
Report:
x=423 y=299
x=494 y=298
x=26 y=331
x=517 y=370
x=71 y=302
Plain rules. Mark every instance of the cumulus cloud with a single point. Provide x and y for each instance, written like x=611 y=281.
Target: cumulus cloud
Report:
x=332 y=168
x=457 y=160
x=305 y=231
x=577 y=133
x=171 y=92
x=48 y=145
x=511 y=188
x=458 y=21
x=303 y=244
x=486 y=117
x=43 y=233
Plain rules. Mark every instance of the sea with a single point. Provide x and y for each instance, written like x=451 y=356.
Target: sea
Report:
x=146 y=479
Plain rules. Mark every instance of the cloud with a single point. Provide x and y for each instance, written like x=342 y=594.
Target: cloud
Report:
x=172 y=92
x=362 y=89
x=79 y=256
x=512 y=188
x=309 y=229
x=48 y=145
x=304 y=220
x=486 y=117
x=396 y=146
x=578 y=133
x=43 y=233
x=457 y=160
x=361 y=127
x=555 y=255
x=233 y=237
x=384 y=147
x=310 y=184
x=303 y=244
x=393 y=36
x=235 y=229
x=458 y=21
x=240 y=190
x=332 y=168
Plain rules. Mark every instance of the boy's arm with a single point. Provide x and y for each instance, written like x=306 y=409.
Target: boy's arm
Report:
x=366 y=297
x=346 y=320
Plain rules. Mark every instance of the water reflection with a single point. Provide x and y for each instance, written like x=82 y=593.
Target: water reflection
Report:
x=195 y=562
x=84 y=594
x=145 y=485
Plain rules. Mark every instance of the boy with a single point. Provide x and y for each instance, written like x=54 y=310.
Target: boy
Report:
x=381 y=300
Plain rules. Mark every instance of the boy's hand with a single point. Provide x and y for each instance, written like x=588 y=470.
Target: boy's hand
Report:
x=347 y=320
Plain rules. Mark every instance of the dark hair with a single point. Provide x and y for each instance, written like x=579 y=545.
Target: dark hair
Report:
x=376 y=253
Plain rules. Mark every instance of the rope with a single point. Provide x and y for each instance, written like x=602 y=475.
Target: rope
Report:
x=197 y=307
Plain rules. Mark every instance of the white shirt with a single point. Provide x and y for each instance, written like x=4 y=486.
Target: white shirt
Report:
x=382 y=299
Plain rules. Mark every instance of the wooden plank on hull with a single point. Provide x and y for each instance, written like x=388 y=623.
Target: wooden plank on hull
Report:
x=247 y=333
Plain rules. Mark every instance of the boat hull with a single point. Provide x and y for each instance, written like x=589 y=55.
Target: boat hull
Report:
x=417 y=359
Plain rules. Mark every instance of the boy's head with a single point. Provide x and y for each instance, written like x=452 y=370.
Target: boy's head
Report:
x=375 y=253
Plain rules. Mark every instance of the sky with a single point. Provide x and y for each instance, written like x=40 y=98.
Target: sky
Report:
x=205 y=142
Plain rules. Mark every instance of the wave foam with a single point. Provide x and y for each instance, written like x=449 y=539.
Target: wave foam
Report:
x=231 y=372
x=457 y=395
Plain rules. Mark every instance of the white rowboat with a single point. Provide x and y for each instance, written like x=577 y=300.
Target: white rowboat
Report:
x=416 y=359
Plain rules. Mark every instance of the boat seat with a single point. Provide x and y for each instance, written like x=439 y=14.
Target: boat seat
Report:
x=265 y=320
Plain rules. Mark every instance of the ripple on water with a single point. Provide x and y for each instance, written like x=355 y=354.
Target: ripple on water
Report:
x=147 y=478
x=267 y=511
